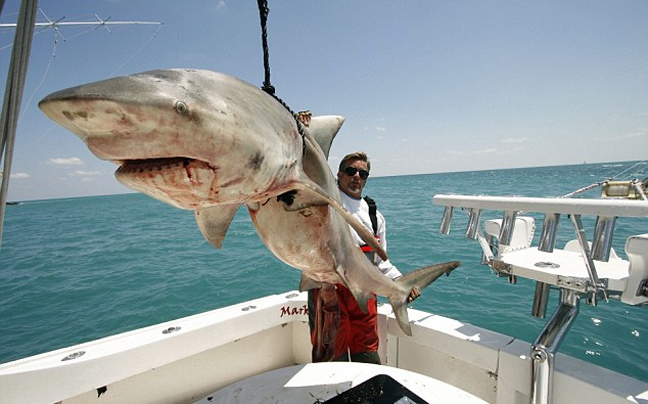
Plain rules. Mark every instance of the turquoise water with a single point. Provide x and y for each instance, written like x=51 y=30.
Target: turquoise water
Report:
x=73 y=270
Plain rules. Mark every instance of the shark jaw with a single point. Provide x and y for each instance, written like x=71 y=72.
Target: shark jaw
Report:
x=181 y=182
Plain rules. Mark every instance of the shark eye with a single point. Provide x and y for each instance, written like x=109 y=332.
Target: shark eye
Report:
x=181 y=107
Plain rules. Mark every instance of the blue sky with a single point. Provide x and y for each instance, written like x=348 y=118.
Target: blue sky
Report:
x=425 y=86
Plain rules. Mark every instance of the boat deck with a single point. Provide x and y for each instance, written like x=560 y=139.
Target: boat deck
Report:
x=318 y=382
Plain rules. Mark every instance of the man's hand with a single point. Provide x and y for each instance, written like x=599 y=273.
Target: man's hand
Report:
x=414 y=294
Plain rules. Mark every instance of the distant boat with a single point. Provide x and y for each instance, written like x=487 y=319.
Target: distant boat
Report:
x=14 y=203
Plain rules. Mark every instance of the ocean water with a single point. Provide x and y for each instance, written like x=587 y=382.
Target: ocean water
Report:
x=73 y=270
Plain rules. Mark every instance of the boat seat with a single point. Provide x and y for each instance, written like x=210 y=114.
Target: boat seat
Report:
x=523 y=232
x=574 y=246
x=637 y=250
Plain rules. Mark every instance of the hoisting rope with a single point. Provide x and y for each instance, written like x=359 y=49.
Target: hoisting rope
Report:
x=263 y=16
x=267 y=86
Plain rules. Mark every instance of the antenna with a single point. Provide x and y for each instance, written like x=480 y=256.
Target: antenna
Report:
x=16 y=79
x=56 y=24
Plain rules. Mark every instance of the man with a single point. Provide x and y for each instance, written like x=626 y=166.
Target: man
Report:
x=334 y=314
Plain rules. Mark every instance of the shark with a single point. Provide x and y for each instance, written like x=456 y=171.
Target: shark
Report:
x=319 y=239
x=208 y=142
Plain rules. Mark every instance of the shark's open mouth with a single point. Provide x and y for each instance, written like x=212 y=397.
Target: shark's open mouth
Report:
x=179 y=181
x=130 y=167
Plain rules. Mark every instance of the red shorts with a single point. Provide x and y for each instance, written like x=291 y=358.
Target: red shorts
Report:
x=358 y=331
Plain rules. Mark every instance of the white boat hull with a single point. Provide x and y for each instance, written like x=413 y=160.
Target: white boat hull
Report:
x=207 y=352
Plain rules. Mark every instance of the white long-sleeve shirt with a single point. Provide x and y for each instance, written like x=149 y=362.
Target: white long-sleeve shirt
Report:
x=360 y=210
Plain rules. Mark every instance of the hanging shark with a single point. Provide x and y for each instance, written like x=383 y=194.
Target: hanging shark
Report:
x=312 y=230
x=208 y=142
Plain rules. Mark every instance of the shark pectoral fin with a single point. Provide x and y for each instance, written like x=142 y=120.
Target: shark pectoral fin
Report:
x=307 y=283
x=214 y=221
x=420 y=278
x=365 y=234
x=362 y=231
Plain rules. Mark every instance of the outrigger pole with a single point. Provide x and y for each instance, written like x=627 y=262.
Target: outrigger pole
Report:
x=25 y=26
x=13 y=93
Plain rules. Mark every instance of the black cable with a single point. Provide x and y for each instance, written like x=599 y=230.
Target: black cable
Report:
x=263 y=14
x=267 y=87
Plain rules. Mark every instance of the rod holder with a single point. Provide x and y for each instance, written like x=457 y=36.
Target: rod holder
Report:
x=549 y=230
x=540 y=299
x=508 y=226
x=473 y=223
x=446 y=220
x=602 y=243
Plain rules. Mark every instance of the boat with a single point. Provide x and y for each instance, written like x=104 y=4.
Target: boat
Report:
x=259 y=351
x=215 y=356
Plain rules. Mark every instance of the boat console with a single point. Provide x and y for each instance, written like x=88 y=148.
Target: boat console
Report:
x=583 y=268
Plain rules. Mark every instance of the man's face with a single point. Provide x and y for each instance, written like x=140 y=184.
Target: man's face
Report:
x=352 y=184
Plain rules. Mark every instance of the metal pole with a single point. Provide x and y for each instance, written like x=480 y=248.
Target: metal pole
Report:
x=13 y=93
x=546 y=346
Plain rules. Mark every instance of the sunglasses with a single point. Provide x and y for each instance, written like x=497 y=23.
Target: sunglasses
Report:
x=351 y=171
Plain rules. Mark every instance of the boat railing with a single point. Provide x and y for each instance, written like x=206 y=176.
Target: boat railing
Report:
x=588 y=269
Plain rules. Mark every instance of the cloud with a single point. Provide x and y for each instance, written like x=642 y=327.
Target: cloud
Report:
x=515 y=140
x=633 y=135
x=72 y=161
x=486 y=151
x=221 y=4
x=381 y=128
x=85 y=173
x=19 y=175
x=85 y=176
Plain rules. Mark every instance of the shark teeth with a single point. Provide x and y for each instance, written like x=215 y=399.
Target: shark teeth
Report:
x=182 y=182
x=152 y=165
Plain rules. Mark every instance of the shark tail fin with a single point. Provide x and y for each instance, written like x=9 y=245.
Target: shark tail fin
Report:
x=400 y=311
x=420 y=278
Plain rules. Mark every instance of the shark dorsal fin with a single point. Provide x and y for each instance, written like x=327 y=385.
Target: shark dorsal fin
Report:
x=323 y=129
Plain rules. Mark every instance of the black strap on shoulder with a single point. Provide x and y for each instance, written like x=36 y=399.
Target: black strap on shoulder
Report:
x=372 y=213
